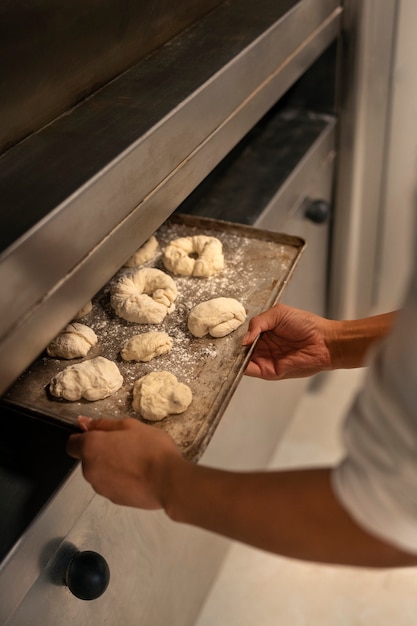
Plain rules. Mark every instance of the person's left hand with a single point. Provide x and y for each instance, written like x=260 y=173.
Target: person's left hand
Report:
x=125 y=460
x=292 y=343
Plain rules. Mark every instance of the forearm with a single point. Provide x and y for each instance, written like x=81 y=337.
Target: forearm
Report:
x=349 y=341
x=293 y=513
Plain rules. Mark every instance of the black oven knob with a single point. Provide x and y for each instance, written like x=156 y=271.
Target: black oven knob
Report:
x=318 y=211
x=87 y=575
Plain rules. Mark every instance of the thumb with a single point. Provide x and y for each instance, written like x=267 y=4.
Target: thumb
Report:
x=268 y=320
x=75 y=442
x=257 y=325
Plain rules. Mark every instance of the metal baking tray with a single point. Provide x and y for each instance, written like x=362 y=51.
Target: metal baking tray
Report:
x=258 y=266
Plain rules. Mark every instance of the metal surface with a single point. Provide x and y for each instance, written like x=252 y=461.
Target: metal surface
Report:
x=270 y=172
x=76 y=199
x=268 y=180
x=116 y=167
x=258 y=266
x=39 y=543
x=53 y=55
x=398 y=220
x=313 y=178
x=29 y=448
x=159 y=571
x=369 y=30
x=241 y=441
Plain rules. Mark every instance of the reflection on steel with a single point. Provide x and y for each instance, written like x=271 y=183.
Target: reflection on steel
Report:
x=55 y=54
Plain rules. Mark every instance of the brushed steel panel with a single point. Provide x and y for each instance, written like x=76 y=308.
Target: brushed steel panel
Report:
x=86 y=235
x=20 y=569
x=369 y=48
x=55 y=54
x=160 y=571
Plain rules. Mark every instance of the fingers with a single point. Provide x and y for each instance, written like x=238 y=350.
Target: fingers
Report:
x=249 y=337
x=253 y=370
x=256 y=326
x=84 y=422
x=74 y=446
x=88 y=423
x=75 y=442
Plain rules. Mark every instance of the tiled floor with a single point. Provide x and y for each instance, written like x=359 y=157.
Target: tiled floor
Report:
x=258 y=589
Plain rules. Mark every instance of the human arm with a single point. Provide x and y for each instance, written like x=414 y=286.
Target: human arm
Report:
x=295 y=343
x=292 y=513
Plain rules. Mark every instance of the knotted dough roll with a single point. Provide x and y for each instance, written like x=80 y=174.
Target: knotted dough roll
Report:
x=92 y=380
x=146 y=253
x=144 y=297
x=74 y=341
x=85 y=310
x=217 y=317
x=159 y=394
x=146 y=346
x=194 y=256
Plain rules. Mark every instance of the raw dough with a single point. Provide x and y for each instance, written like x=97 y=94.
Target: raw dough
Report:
x=194 y=256
x=144 y=297
x=146 y=253
x=92 y=380
x=84 y=311
x=146 y=346
x=74 y=341
x=217 y=317
x=159 y=394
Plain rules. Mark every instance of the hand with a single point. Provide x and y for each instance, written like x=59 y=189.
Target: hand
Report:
x=292 y=344
x=125 y=460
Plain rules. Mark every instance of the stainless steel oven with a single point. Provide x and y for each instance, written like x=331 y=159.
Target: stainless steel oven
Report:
x=113 y=117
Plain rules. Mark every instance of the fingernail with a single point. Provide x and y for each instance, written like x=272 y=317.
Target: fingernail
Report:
x=84 y=421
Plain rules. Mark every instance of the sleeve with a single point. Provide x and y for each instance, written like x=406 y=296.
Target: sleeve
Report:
x=377 y=480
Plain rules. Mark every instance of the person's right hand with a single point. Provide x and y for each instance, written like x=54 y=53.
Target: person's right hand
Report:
x=292 y=344
x=125 y=460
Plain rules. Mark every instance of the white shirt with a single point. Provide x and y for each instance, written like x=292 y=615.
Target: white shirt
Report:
x=377 y=480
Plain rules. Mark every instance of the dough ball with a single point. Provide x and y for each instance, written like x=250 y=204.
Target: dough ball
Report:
x=217 y=317
x=144 y=297
x=146 y=253
x=74 y=341
x=194 y=256
x=146 y=346
x=91 y=380
x=84 y=311
x=159 y=394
